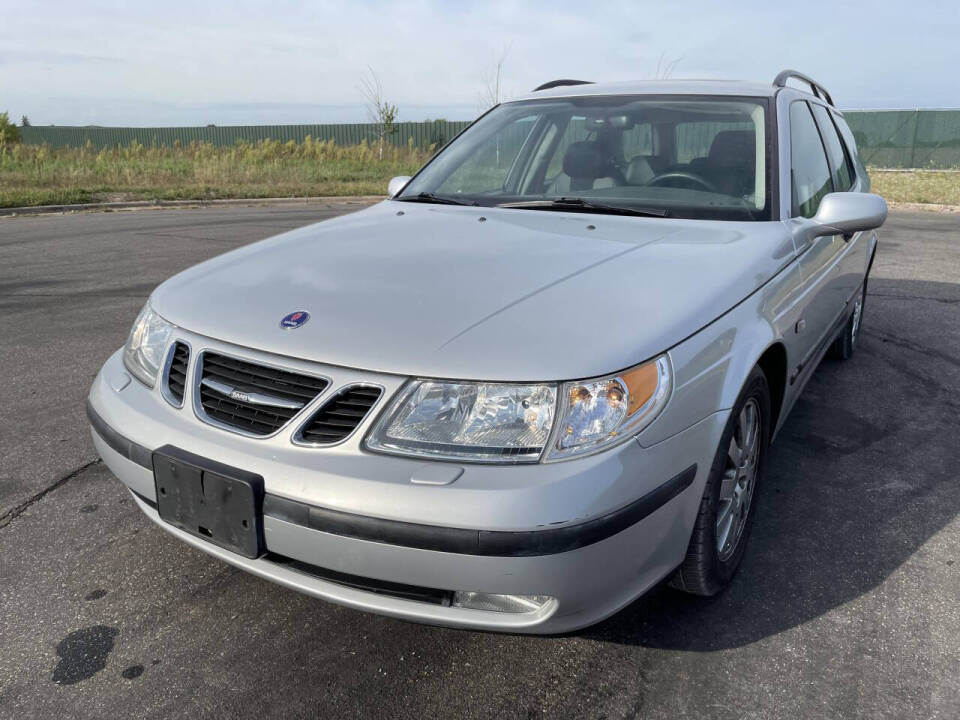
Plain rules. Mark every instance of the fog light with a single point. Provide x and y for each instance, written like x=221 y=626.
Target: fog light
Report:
x=500 y=603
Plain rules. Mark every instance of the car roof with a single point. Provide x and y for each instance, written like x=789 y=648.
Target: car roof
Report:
x=657 y=87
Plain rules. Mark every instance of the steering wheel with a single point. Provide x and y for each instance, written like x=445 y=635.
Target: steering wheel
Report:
x=679 y=175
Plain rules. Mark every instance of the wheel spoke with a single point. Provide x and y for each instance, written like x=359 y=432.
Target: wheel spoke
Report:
x=750 y=428
x=725 y=518
x=735 y=453
x=730 y=478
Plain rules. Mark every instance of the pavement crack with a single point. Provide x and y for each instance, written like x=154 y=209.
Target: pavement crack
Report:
x=15 y=512
x=913 y=347
x=946 y=301
x=72 y=294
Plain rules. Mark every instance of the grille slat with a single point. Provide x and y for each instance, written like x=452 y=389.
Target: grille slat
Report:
x=177 y=374
x=214 y=401
x=340 y=415
x=279 y=382
x=250 y=377
x=288 y=381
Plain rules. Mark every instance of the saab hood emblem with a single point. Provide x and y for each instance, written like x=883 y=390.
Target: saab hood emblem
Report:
x=294 y=320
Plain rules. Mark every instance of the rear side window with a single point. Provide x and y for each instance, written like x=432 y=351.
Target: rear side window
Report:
x=851 y=145
x=809 y=171
x=576 y=131
x=638 y=141
x=695 y=139
x=839 y=162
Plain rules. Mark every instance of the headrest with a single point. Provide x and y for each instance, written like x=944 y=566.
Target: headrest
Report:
x=640 y=171
x=733 y=147
x=585 y=160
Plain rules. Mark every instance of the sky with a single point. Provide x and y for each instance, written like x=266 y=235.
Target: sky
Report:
x=193 y=63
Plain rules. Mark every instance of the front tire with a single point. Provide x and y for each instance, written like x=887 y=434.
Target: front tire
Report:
x=723 y=524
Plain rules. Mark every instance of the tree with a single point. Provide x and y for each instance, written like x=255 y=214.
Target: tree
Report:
x=666 y=67
x=24 y=121
x=492 y=92
x=9 y=133
x=383 y=115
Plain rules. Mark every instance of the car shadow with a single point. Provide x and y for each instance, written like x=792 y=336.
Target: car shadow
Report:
x=862 y=474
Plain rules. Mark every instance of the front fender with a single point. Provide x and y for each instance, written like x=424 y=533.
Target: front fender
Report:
x=711 y=366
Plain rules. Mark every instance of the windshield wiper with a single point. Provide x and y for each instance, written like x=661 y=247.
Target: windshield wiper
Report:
x=426 y=197
x=575 y=204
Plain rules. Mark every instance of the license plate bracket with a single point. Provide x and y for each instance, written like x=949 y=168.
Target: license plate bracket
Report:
x=220 y=504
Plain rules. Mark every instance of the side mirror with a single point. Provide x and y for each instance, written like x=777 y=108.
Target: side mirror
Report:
x=849 y=212
x=397 y=184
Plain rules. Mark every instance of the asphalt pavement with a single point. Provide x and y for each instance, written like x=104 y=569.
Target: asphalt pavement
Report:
x=847 y=604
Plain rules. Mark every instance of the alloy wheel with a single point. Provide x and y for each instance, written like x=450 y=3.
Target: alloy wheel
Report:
x=739 y=480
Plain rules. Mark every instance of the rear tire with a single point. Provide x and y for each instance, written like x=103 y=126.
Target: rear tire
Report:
x=845 y=345
x=723 y=524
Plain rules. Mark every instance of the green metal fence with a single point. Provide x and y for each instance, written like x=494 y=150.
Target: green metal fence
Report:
x=422 y=134
x=886 y=138
x=907 y=138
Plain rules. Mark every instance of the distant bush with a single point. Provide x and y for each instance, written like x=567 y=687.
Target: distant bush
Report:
x=9 y=133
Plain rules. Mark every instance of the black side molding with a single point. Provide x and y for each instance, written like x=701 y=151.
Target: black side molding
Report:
x=129 y=449
x=529 y=543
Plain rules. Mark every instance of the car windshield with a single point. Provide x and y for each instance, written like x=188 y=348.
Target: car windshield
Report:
x=687 y=157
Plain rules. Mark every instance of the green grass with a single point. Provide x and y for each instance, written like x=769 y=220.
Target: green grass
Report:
x=928 y=186
x=40 y=175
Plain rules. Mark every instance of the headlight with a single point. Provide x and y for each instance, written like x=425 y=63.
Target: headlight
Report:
x=481 y=422
x=143 y=354
x=506 y=422
x=601 y=412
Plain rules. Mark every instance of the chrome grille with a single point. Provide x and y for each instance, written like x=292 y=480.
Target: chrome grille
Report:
x=252 y=398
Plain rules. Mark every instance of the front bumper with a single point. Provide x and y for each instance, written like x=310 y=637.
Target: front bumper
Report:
x=592 y=533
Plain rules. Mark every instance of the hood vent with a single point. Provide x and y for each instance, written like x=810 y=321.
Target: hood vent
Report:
x=339 y=416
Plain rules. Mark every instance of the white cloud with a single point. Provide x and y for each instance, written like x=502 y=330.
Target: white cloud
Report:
x=189 y=62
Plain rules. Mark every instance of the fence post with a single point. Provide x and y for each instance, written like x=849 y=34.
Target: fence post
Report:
x=913 y=144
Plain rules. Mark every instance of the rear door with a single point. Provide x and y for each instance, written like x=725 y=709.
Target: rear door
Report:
x=855 y=251
x=811 y=181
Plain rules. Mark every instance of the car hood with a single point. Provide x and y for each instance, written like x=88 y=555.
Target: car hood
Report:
x=481 y=293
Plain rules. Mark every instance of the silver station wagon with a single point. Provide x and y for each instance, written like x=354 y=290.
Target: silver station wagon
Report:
x=540 y=378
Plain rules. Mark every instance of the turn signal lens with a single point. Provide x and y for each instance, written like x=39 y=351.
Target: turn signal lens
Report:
x=598 y=413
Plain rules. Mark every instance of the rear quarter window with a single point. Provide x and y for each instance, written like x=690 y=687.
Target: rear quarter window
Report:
x=851 y=143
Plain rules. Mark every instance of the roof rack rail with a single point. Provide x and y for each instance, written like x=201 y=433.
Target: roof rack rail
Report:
x=561 y=83
x=816 y=88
